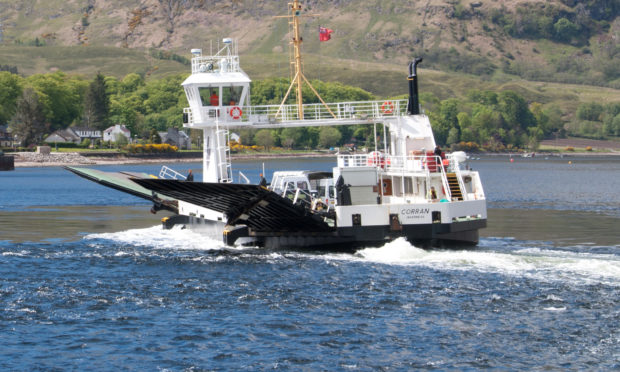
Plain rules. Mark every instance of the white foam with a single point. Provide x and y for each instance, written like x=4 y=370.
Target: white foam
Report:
x=544 y=264
x=563 y=308
x=159 y=238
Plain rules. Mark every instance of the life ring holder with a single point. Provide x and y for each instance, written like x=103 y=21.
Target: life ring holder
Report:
x=235 y=112
x=387 y=107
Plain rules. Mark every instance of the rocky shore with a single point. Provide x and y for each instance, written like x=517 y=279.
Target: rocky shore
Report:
x=58 y=159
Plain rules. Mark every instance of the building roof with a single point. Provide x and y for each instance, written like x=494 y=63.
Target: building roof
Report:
x=121 y=127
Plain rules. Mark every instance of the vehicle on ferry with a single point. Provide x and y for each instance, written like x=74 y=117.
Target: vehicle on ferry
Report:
x=402 y=188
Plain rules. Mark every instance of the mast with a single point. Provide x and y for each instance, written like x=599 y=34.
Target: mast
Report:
x=298 y=78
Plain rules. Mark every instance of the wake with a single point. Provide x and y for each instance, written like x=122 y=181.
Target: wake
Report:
x=540 y=263
x=537 y=263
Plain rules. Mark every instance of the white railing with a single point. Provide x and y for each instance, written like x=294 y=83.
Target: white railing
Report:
x=271 y=114
x=244 y=178
x=425 y=164
x=413 y=163
x=170 y=174
x=456 y=168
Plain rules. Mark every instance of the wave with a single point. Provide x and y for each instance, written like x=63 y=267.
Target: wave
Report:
x=158 y=238
x=504 y=256
x=533 y=262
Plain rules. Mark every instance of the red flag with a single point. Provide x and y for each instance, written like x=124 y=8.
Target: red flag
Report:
x=324 y=33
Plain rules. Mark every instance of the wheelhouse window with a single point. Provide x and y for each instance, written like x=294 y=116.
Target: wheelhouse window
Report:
x=231 y=95
x=209 y=96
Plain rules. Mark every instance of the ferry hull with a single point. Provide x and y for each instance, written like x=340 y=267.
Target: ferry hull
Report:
x=346 y=239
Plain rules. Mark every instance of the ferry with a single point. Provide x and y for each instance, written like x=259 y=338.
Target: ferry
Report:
x=404 y=187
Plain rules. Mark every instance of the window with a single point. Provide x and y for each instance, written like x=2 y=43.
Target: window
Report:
x=231 y=95
x=207 y=93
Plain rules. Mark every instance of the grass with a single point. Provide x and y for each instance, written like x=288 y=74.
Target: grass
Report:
x=382 y=79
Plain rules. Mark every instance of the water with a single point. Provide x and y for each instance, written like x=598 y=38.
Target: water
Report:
x=88 y=280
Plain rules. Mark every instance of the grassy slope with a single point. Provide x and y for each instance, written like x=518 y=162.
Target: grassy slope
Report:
x=382 y=79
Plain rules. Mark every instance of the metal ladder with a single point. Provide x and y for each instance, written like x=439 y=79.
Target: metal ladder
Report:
x=223 y=151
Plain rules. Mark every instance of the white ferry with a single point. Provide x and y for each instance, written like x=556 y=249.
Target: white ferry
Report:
x=403 y=188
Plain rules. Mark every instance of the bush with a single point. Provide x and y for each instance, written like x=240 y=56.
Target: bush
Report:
x=151 y=148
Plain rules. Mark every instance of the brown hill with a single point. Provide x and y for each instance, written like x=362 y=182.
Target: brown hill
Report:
x=556 y=40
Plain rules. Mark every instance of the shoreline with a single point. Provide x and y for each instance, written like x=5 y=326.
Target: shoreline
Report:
x=30 y=160
x=57 y=159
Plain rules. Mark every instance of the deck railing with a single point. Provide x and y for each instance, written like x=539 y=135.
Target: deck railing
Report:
x=391 y=163
x=272 y=114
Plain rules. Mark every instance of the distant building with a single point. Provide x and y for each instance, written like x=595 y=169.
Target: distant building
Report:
x=111 y=134
x=85 y=132
x=176 y=138
x=6 y=140
x=63 y=136
x=73 y=135
x=235 y=137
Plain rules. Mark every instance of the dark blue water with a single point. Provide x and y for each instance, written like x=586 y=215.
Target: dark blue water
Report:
x=99 y=287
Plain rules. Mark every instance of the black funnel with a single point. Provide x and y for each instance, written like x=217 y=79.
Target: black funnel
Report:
x=413 y=106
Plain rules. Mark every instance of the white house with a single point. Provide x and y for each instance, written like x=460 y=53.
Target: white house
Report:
x=235 y=137
x=110 y=134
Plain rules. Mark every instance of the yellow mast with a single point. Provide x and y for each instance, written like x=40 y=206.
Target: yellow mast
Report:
x=298 y=78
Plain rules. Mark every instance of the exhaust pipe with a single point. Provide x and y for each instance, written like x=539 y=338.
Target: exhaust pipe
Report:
x=413 y=106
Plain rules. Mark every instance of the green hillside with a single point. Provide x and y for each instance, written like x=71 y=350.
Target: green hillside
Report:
x=560 y=54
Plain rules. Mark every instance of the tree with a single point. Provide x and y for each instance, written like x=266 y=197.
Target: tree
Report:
x=515 y=110
x=291 y=136
x=29 y=121
x=121 y=140
x=264 y=138
x=329 y=137
x=154 y=136
x=10 y=91
x=591 y=111
x=613 y=127
x=453 y=136
x=97 y=104
x=565 y=30
x=61 y=97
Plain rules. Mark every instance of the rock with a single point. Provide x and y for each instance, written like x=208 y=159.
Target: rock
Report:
x=54 y=157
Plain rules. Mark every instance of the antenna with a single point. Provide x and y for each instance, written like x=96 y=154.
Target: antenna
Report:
x=299 y=78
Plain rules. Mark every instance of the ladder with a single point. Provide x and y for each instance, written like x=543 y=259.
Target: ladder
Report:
x=223 y=152
x=455 y=188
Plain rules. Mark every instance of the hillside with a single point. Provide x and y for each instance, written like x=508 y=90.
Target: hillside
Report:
x=558 y=40
x=561 y=56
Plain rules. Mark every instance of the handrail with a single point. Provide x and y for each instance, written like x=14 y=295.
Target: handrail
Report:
x=241 y=175
x=455 y=165
x=444 y=180
x=269 y=114
x=169 y=173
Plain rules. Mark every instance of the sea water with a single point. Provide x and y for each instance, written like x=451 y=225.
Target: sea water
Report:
x=89 y=280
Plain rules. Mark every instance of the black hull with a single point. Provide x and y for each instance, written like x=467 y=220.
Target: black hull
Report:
x=346 y=239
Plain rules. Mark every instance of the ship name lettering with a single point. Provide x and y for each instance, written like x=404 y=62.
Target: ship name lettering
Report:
x=413 y=211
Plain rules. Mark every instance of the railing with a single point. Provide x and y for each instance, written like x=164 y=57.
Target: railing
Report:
x=425 y=164
x=170 y=174
x=272 y=114
x=413 y=163
x=244 y=178
x=456 y=168
x=224 y=165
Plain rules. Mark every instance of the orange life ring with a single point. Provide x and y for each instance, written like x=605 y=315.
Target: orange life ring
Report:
x=387 y=107
x=235 y=112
